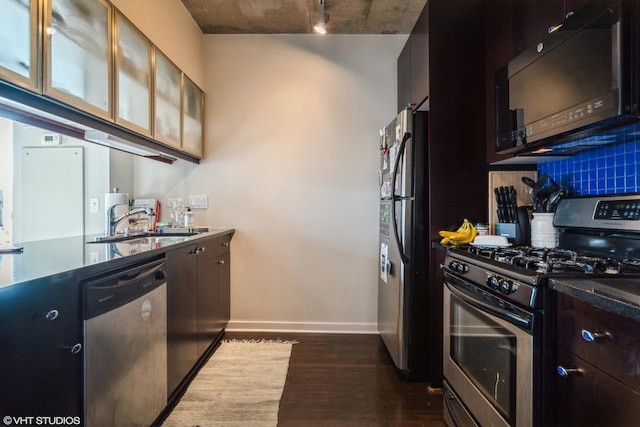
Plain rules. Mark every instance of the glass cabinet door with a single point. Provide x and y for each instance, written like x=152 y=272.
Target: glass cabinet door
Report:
x=19 y=42
x=167 y=101
x=193 y=105
x=78 y=54
x=133 y=78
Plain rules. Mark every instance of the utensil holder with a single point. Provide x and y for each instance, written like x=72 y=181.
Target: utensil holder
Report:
x=543 y=233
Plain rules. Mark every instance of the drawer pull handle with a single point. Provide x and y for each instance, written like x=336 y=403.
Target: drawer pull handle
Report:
x=565 y=372
x=224 y=244
x=75 y=349
x=221 y=262
x=52 y=315
x=593 y=336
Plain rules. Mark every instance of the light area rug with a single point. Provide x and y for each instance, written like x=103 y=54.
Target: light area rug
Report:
x=240 y=385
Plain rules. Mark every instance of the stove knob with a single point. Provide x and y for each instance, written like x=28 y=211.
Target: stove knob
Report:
x=458 y=267
x=492 y=282
x=505 y=286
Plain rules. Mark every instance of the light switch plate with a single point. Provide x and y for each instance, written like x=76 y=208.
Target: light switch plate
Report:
x=199 y=202
x=94 y=205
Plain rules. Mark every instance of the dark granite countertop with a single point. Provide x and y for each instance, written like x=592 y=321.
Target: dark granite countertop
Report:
x=46 y=258
x=615 y=294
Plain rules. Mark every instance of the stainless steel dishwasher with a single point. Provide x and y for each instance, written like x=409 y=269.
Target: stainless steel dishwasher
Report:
x=125 y=331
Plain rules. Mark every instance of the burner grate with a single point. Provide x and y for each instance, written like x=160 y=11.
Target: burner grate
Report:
x=564 y=261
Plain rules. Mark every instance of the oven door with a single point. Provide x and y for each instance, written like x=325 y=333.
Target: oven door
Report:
x=488 y=356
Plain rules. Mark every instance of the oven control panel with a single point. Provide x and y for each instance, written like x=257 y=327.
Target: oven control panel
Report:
x=501 y=284
x=458 y=266
x=628 y=210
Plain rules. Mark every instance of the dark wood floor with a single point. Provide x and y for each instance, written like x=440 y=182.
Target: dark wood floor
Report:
x=348 y=380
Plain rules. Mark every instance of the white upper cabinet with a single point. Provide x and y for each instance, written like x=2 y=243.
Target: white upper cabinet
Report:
x=78 y=54
x=19 y=42
x=167 y=104
x=87 y=55
x=133 y=77
x=192 y=115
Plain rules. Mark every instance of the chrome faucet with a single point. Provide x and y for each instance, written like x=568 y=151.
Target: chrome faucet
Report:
x=111 y=223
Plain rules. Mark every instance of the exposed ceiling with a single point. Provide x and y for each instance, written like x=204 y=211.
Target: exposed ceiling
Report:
x=298 y=16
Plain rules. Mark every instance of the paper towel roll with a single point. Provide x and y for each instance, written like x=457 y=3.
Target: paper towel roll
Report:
x=112 y=199
x=120 y=199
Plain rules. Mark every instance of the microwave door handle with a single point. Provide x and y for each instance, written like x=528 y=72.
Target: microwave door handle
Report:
x=490 y=308
x=394 y=198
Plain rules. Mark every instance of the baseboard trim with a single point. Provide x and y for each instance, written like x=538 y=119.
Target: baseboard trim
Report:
x=326 y=328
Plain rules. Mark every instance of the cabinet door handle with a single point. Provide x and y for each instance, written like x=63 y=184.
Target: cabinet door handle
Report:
x=75 y=349
x=224 y=244
x=51 y=315
x=565 y=372
x=221 y=262
x=594 y=336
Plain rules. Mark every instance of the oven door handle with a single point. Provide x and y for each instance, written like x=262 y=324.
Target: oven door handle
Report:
x=485 y=306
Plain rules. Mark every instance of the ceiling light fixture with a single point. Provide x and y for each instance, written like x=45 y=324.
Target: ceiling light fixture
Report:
x=320 y=27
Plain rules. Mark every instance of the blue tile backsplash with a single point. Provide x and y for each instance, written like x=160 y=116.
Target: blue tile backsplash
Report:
x=610 y=169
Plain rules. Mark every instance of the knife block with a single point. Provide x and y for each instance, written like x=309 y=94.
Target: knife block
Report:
x=508 y=178
x=509 y=230
x=518 y=233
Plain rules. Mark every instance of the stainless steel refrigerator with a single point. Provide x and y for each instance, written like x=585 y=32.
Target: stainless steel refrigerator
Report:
x=403 y=270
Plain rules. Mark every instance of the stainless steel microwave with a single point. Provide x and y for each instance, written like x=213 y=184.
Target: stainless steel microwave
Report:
x=578 y=80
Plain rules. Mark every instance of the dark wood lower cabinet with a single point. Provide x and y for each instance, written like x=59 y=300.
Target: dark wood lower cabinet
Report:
x=602 y=387
x=208 y=284
x=593 y=398
x=198 y=279
x=44 y=381
x=182 y=321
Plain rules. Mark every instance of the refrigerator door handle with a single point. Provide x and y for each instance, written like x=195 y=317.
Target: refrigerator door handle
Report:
x=403 y=255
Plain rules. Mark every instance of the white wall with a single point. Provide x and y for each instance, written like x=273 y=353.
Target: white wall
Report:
x=291 y=162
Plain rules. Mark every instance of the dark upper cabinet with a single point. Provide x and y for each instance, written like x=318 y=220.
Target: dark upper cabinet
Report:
x=413 y=65
x=498 y=51
x=533 y=18
x=443 y=61
x=404 y=76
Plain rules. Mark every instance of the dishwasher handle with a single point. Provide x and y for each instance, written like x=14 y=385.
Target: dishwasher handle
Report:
x=131 y=277
x=108 y=292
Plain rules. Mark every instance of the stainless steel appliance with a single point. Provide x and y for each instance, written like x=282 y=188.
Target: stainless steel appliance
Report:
x=402 y=279
x=579 y=79
x=126 y=346
x=499 y=357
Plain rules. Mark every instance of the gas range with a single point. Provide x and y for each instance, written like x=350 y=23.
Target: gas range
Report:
x=599 y=238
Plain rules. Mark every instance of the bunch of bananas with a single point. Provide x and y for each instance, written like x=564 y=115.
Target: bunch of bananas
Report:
x=462 y=236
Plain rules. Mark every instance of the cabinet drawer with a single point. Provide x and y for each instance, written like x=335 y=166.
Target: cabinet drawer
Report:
x=36 y=311
x=616 y=352
x=593 y=398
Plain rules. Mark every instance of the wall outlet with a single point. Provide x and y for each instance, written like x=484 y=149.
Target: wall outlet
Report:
x=199 y=202
x=94 y=205
x=172 y=203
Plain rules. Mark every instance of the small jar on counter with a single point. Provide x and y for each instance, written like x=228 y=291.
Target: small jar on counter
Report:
x=482 y=229
x=188 y=218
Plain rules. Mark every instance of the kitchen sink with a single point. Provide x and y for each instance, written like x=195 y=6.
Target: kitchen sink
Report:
x=134 y=236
